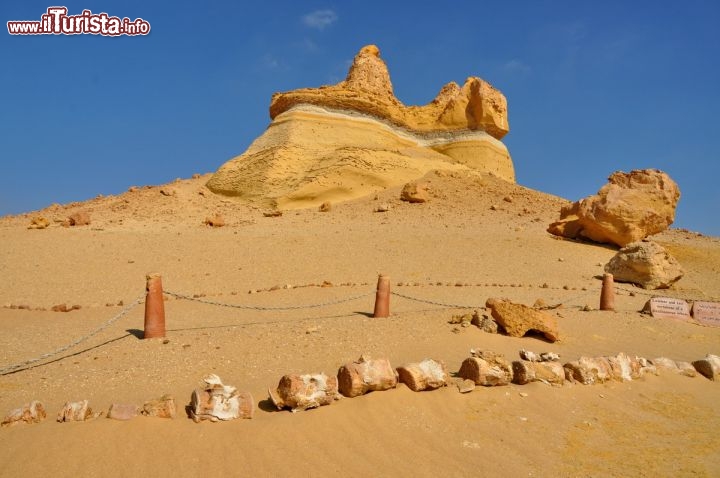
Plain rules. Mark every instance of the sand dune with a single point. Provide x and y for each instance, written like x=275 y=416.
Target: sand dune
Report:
x=478 y=236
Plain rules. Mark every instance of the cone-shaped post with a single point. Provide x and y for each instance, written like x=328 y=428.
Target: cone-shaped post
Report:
x=382 y=297
x=154 y=308
x=607 y=294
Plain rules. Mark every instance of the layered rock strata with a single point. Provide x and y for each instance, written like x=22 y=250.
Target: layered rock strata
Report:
x=348 y=140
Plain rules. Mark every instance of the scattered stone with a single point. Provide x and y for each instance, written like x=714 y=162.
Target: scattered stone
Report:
x=465 y=386
x=484 y=323
x=77 y=412
x=33 y=412
x=415 y=192
x=629 y=208
x=81 y=218
x=508 y=199
x=382 y=208
x=164 y=407
x=273 y=213
x=549 y=357
x=518 y=319
x=302 y=392
x=486 y=368
x=529 y=356
x=493 y=207
x=709 y=367
x=426 y=375
x=214 y=221
x=216 y=401
x=366 y=375
x=122 y=411
x=39 y=223
x=540 y=304
x=548 y=372
x=196 y=176
x=461 y=319
x=168 y=192
x=325 y=207
x=646 y=264
x=541 y=357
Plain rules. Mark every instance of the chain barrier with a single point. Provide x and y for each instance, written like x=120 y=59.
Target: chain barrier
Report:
x=463 y=306
x=580 y=296
x=663 y=293
x=132 y=305
x=121 y=314
x=258 y=307
x=441 y=304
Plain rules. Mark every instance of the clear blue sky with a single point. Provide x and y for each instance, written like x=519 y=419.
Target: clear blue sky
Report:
x=592 y=87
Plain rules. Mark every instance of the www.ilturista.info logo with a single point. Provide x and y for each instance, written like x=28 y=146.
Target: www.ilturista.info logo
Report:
x=57 y=22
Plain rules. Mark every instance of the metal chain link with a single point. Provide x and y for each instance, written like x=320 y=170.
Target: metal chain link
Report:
x=660 y=292
x=580 y=296
x=258 y=307
x=121 y=314
x=459 y=306
x=441 y=304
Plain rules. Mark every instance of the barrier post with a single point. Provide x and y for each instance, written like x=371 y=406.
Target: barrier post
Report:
x=382 y=297
x=154 y=307
x=607 y=293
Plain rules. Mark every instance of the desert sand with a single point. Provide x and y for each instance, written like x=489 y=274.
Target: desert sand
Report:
x=478 y=237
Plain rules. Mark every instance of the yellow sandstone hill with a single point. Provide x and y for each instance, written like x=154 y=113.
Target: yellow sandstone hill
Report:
x=344 y=141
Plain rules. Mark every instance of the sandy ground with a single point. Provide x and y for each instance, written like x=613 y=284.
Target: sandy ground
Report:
x=457 y=249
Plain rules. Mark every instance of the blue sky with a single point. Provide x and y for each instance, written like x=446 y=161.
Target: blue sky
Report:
x=592 y=88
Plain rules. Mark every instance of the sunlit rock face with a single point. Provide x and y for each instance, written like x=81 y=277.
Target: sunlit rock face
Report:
x=344 y=141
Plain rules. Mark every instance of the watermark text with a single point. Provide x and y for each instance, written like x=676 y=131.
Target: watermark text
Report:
x=56 y=21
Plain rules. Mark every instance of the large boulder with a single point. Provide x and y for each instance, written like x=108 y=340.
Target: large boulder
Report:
x=646 y=264
x=629 y=208
x=348 y=140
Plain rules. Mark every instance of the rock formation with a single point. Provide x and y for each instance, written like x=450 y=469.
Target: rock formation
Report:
x=303 y=392
x=646 y=264
x=629 y=208
x=525 y=372
x=33 y=412
x=486 y=368
x=344 y=141
x=709 y=366
x=366 y=375
x=426 y=375
x=77 y=412
x=679 y=367
x=622 y=367
x=518 y=319
x=217 y=401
